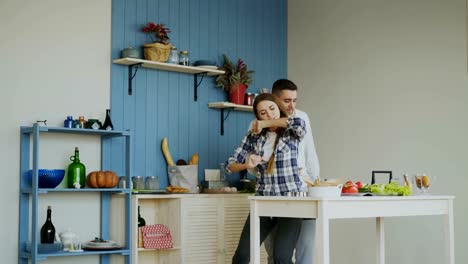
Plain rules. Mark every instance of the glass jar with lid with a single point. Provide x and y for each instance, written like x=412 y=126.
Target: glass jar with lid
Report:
x=173 y=56
x=184 y=58
x=151 y=183
x=137 y=182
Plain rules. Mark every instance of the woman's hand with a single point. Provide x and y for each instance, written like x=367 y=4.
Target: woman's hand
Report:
x=257 y=126
x=252 y=161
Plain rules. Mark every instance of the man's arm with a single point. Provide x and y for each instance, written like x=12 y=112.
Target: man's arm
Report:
x=312 y=165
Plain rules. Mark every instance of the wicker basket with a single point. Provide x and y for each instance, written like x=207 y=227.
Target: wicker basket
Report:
x=157 y=51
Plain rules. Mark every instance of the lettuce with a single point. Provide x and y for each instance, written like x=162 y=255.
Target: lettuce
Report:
x=392 y=188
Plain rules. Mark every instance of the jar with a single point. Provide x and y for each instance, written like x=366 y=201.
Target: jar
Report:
x=222 y=171
x=137 y=182
x=93 y=124
x=68 y=122
x=173 y=56
x=255 y=96
x=81 y=121
x=249 y=98
x=184 y=58
x=151 y=183
x=122 y=182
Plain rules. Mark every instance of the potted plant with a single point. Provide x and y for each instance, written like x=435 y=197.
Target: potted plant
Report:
x=235 y=80
x=160 y=48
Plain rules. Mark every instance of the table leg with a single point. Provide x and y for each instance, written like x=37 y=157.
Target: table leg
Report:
x=322 y=231
x=449 y=234
x=380 y=240
x=254 y=234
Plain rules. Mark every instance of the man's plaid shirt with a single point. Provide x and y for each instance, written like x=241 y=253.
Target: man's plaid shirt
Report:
x=285 y=177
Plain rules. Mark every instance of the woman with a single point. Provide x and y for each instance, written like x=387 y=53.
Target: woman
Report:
x=271 y=147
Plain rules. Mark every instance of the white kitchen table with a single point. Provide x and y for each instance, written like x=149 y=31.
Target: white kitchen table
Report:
x=325 y=209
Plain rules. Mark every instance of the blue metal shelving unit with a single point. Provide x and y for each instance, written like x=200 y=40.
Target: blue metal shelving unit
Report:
x=28 y=224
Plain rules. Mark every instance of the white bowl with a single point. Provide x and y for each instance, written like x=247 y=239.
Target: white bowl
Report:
x=325 y=191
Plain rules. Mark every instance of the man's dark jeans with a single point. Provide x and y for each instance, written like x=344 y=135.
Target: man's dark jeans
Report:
x=285 y=241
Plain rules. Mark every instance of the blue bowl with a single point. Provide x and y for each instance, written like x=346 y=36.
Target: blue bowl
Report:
x=47 y=178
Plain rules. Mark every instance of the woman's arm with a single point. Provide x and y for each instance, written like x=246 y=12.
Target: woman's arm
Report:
x=251 y=162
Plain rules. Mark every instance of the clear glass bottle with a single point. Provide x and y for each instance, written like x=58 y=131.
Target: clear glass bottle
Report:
x=48 y=229
x=173 y=56
x=184 y=58
x=222 y=171
x=76 y=174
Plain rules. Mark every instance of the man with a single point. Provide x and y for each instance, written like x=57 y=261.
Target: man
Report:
x=309 y=168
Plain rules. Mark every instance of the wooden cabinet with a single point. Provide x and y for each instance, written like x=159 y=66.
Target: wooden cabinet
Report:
x=205 y=227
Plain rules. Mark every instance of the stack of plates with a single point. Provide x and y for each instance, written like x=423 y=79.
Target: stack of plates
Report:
x=104 y=245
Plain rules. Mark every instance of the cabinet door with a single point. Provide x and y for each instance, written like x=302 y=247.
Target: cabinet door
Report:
x=235 y=212
x=200 y=242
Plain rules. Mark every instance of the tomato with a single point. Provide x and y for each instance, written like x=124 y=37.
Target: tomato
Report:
x=359 y=184
x=349 y=187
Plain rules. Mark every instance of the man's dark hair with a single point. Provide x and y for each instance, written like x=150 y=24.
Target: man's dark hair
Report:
x=282 y=84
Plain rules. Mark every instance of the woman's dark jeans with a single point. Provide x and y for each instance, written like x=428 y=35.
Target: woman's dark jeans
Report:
x=285 y=241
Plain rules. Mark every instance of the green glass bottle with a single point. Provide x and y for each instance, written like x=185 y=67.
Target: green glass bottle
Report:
x=76 y=174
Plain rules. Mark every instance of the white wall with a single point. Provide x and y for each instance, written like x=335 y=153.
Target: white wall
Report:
x=385 y=85
x=55 y=62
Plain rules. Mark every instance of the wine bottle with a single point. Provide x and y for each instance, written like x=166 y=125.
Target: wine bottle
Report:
x=108 y=123
x=141 y=221
x=76 y=174
x=48 y=229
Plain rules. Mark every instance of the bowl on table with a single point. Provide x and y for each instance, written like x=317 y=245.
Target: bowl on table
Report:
x=325 y=191
x=47 y=178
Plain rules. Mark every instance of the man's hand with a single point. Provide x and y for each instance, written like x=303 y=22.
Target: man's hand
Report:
x=252 y=161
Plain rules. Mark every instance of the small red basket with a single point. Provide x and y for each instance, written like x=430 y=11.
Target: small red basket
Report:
x=156 y=237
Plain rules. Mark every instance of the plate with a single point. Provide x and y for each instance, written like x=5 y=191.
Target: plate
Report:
x=88 y=248
x=353 y=194
x=383 y=194
x=211 y=67
x=150 y=191
x=105 y=244
x=76 y=251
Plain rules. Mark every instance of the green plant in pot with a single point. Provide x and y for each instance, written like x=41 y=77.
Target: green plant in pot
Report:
x=235 y=80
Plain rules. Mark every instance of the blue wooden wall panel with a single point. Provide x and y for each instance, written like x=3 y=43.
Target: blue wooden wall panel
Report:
x=162 y=102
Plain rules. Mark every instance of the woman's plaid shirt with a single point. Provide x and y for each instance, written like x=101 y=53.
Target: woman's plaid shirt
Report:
x=285 y=177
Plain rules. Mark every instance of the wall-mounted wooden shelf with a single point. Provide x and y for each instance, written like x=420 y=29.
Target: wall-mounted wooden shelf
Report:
x=224 y=105
x=131 y=62
x=229 y=106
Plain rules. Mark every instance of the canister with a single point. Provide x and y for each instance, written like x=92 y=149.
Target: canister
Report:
x=249 y=98
x=137 y=182
x=151 y=183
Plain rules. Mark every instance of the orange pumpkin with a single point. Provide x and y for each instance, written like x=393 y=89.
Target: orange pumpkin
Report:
x=102 y=179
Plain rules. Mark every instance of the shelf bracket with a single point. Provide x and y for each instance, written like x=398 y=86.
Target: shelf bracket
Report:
x=196 y=83
x=224 y=118
x=131 y=75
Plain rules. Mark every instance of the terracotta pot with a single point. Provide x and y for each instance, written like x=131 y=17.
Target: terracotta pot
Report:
x=237 y=94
